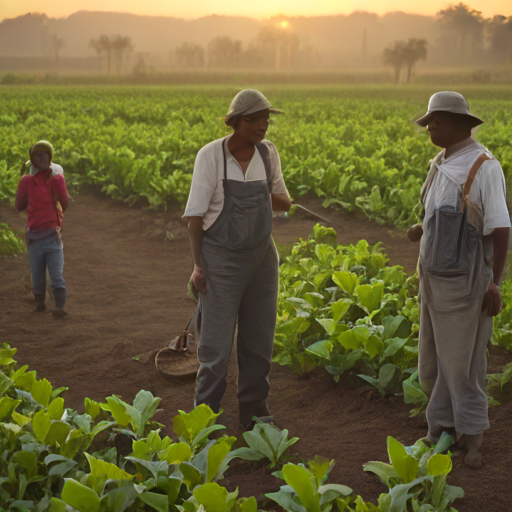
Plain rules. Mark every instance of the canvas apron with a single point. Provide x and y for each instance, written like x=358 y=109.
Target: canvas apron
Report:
x=240 y=263
x=454 y=276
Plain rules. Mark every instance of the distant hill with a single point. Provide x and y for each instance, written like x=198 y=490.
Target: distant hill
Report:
x=338 y=39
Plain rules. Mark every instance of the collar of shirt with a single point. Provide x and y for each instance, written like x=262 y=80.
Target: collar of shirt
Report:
x=456 y=167
x=252 y=172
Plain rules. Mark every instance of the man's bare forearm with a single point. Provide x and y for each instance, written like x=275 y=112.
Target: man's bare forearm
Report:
x=195 y=233
x=281 y=203
x=500 y=242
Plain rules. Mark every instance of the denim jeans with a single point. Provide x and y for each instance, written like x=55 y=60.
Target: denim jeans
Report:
x=45 y=254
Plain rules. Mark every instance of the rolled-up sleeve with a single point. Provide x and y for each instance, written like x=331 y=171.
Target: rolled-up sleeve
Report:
x=204 y=181
x=494 y=197
x=278 y=184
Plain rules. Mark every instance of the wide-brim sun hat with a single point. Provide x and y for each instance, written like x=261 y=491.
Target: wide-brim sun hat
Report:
x=42 y=145
x=249 y=101
x=448 y=101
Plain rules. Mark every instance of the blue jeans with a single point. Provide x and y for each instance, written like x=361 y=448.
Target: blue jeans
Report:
x=42 y=254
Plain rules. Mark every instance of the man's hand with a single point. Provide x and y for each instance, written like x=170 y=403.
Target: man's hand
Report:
x=199 y=280
x=492 y=300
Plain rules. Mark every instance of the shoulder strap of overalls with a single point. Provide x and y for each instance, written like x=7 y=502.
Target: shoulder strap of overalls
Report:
x=225 y=163
x=471 y=177
x=265 y=156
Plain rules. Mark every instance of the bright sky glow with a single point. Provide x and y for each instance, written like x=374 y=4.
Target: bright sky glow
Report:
x=250 y=8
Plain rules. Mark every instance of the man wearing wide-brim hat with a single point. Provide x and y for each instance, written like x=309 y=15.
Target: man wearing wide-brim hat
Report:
x=464 y=241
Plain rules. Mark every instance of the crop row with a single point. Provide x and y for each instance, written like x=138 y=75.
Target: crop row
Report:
x=345 y=309
x=357 y=148
x=112 y=458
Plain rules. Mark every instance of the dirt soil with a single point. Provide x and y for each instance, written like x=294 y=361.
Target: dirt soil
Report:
x=127 y=271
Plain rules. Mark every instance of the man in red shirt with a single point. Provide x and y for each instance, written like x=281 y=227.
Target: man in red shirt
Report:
x=45 y=197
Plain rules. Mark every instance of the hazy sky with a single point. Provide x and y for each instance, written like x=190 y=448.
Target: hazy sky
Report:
x=251 y=8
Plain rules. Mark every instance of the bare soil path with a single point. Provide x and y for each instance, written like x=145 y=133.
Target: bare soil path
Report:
x=127 y=271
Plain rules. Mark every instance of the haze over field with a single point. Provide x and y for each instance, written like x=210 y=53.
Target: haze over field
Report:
x=121 y=43
x=260 y=9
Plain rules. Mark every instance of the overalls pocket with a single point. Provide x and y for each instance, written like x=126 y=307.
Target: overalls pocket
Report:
x=246 y=219
x=447 y=253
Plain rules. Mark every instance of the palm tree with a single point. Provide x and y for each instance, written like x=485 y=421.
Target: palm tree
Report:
x=393 y=56
x=224 y=51
x=190 y=55
x=57 y=45
x=500 y=37
x=413 y=51
x=96 y=45
x=102 y=45
x=405 y=53
x=462 y=22
x=121 y=45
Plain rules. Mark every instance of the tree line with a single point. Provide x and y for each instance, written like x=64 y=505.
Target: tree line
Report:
x=465 y=33
x=275 y=47
x=464 y=36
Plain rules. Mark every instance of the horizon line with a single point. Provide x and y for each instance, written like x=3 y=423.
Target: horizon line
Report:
x=276 y=16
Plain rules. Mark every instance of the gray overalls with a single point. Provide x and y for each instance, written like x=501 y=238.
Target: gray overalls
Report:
x=455 y=272
x=241 y=267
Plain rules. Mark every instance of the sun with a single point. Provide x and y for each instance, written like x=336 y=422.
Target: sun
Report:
x=284 y=24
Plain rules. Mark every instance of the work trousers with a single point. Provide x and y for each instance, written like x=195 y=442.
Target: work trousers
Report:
x=43 y=254
x=453 y=365
x=241 y=286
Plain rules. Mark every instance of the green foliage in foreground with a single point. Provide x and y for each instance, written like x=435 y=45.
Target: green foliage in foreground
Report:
x=10 y=242
x=502 y=334
x=56 y=459
x=356 y=147
x=344 y=308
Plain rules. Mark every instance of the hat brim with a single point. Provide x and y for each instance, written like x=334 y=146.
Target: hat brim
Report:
x=41 y=147
x=423 y=121
x=235 y=114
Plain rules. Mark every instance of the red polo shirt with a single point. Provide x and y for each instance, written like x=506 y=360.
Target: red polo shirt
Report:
x=39 y=194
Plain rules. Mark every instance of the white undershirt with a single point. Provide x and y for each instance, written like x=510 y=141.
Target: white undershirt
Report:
x=206 y=198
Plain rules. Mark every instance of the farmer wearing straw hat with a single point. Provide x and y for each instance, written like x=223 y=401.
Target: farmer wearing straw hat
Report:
x=237 y=182
x=43 y=193
x=463 y=250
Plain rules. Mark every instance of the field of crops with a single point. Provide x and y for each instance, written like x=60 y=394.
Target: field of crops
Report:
x=341 y=307
x=355 y=147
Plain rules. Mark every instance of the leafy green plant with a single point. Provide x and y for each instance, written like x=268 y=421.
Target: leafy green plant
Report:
x=10 y=243
x=414 y=394
x=212 y=497
x=137 y=415
x=265 y=440
x=416 y=477
x=388 y=381
x=194 y=428
x=496 y=382
x=306 y=490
